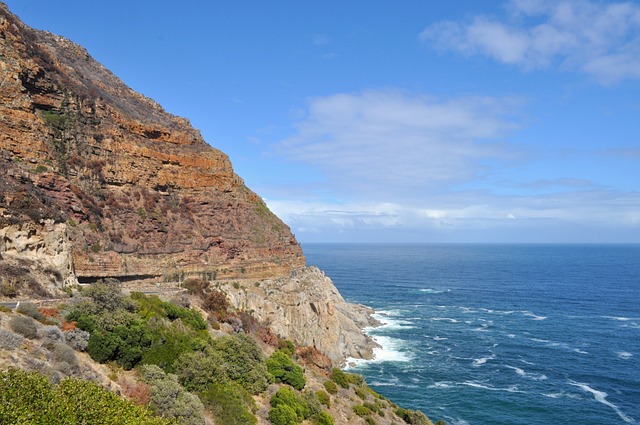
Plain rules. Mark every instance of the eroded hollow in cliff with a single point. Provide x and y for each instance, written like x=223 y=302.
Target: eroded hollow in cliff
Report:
x=122 y=279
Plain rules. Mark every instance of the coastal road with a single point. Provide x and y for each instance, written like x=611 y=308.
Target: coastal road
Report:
x=12 y=305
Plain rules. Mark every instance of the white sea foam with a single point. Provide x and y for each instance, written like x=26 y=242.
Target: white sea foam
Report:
x=444 y=319
x=434 y=291
x=511 y=389
x=534 y=316
x=624 y=355
x=528 y=375
x=439 y=338
x=388 y=322
x=440 y=385
x=601 y=397
x=579 y=351
x=389 y=351
x=483 y=360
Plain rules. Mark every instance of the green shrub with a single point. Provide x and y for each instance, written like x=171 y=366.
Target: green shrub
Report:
x=360 y=392
x=244 y=362
x=169 y=399
x=286 y=396
x=30 y=398
x=125 y=344
x=361 y=410
x=25 y=326
x=286 y=346
x=413 y=417
x=283 y=415
x=108 y=296
x=323 y=418
x=229 y=403
x=282 y=367
x=152 y=306
x=331 y=387
x=339 y=377
x=30 y=309
x=8 y=290
x=198 y=370
x=324 y=397
x=370 y=421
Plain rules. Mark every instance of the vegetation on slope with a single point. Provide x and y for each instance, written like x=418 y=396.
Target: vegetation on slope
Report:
x=182 y=370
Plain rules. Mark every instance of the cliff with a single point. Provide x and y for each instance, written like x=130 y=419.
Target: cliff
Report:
x=137 y=191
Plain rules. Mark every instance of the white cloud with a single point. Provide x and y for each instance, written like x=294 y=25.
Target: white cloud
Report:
x=592 y=216
x=392 y=143
x=601 y=39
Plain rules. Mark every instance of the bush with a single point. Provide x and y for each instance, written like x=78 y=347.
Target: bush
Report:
x=361 y=410
x=229 y=403
x=152 y=306
x=283 y=415
x=29 y=398
x=25 y=326
x=331 y=387
x=286 y=396
x=170 y=400
x=169 y=340
x=197 y=287
x=413 y=417
x=77 y=339
x=323 y=418
x=30 y=309
x=282 y=367
x=62 y=353
x=10 y=340
x=339 y=377
x=50 y=334
x=8 y=290
x=244 y=362
x=324 y=397
x=125 y=344
x=108 y=296
x=216 y=302
x=197 y=370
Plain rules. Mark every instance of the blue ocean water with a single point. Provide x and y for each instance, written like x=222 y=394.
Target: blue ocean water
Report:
x=499 y=334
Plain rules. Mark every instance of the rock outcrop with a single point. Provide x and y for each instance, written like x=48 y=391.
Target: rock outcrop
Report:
x=307 y=308
x=142 y=195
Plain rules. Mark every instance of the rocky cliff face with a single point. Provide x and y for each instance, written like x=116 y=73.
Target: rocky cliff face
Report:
x=136 y=191
x=306 y=307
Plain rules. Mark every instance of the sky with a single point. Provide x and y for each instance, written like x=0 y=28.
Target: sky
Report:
x=397 y=121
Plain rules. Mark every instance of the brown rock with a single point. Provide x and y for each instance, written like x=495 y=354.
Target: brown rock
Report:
x=142 y=193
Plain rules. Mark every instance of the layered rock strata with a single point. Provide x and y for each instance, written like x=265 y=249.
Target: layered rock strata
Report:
x=142 y=195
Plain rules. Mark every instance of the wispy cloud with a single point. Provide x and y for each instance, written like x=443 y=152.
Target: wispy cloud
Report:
x=398 y=143
x=600 y=39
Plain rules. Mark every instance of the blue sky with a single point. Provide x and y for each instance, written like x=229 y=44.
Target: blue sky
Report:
x=412 y=121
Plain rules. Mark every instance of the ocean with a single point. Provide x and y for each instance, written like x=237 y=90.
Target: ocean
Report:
x=499 y=334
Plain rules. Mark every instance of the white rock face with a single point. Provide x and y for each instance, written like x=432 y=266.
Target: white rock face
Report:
x=46 y=243
x=308 y=309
